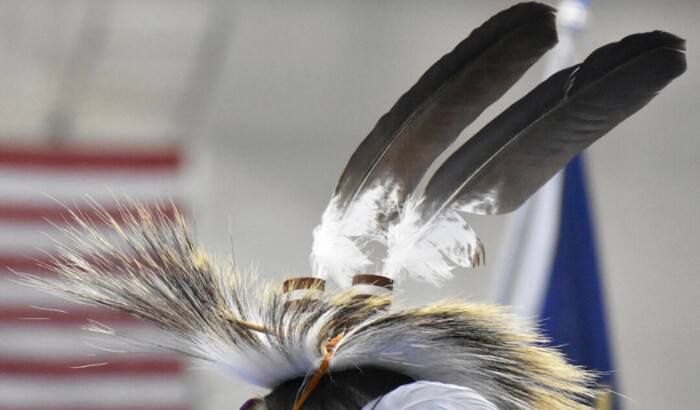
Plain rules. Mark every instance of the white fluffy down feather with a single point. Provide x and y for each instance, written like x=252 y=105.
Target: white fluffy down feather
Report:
x=424 y=395
x=338 y=246
x=335 y=253
x=429 y=250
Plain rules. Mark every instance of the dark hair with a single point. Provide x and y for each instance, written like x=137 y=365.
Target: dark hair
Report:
x=344 y=390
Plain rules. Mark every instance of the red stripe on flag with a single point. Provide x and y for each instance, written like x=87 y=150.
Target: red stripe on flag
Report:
x=151 y=366
x=14 y=262
x=40 y=264
x=30 y=212
x=92 y=159
x=154 y=407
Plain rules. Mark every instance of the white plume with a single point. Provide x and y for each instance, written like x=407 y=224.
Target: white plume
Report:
x=424 y=395
x=338 y=246
x=429 y=250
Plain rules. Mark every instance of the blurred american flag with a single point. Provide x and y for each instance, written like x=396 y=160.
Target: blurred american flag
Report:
x=46 y=361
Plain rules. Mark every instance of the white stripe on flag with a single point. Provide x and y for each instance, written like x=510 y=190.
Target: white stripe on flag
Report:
x=44 y=341
x=40 y=187
x=14 y=294
x=30 y=239
x=115 y=392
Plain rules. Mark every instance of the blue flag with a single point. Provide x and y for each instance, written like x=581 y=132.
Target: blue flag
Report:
x=573 y=309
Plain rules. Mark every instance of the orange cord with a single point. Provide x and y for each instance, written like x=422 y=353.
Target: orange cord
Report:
x=319 y=373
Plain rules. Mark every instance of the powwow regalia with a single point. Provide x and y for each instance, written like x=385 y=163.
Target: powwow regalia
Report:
x=355 y=348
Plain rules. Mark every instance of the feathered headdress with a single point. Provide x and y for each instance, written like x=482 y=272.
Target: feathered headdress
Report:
x=351 y=348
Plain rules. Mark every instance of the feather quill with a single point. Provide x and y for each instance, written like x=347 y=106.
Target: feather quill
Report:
x=515 y=154
x=424 y=122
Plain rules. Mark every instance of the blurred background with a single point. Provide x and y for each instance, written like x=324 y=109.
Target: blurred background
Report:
x=245 y=113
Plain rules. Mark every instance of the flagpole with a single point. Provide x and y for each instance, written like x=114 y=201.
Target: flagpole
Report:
x=534 y=232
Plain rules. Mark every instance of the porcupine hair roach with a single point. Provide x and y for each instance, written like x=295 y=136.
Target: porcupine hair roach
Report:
x=152 y=269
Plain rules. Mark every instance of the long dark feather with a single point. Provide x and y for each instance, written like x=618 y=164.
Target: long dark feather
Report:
x=516 y=153
x=449 y=96
x=422 y=124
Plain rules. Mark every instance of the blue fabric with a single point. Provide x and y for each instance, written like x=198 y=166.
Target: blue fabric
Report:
x=574 y=310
